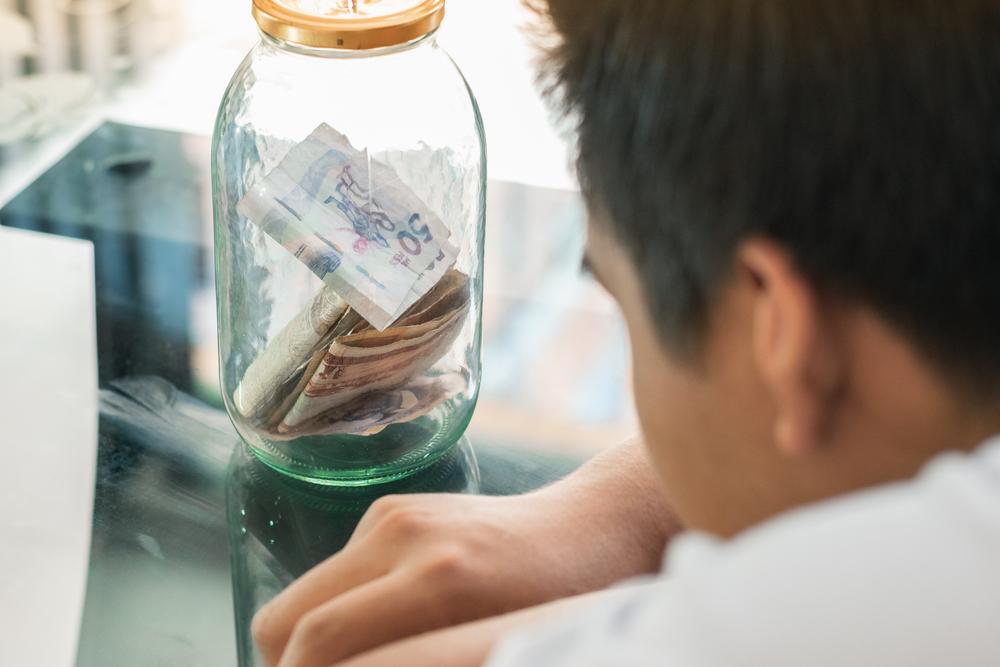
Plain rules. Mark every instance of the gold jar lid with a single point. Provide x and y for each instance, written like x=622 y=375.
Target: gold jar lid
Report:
x=348 y=24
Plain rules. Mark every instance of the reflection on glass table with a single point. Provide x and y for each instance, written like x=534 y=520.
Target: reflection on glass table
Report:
x=281 y=527
x=158 y=589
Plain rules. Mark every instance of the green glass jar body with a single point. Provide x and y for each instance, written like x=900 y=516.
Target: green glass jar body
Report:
x=349 y=199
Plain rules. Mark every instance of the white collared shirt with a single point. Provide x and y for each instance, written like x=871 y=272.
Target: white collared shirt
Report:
x=902 y=574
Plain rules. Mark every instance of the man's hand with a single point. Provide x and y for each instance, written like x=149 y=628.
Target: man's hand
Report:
x=422 y=562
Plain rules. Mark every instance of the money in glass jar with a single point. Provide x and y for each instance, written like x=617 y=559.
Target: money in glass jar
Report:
x=349 y=198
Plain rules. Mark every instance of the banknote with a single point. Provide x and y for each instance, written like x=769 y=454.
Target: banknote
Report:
x=368 y=360
x=371 y=413
x=288 y=391
x=265 y=380
x=330 y=371
x=352 y=222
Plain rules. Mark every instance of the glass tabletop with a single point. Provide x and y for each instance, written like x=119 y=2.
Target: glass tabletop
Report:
x=175 y=489
x=143 y=197
x=165 y=582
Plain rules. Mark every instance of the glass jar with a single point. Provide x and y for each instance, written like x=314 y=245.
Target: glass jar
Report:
x=349 y=183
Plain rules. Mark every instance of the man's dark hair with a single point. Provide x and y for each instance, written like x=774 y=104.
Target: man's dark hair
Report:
x=862 y=135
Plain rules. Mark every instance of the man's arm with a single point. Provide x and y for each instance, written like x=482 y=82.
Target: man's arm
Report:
x=421 y=562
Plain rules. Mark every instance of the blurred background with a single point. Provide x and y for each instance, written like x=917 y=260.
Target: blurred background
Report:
x=555 y=356
x=165 y=63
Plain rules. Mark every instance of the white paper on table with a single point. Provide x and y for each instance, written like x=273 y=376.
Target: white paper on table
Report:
x=47 y=449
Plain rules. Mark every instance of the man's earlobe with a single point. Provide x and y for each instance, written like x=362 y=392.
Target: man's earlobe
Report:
x=794 y=348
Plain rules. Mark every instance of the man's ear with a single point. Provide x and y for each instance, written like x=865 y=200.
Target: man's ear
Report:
x=794 y=346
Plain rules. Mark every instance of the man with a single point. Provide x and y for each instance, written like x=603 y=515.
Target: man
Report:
x=796 y=204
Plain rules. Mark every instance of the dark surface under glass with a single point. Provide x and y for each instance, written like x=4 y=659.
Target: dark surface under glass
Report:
x=159 y=590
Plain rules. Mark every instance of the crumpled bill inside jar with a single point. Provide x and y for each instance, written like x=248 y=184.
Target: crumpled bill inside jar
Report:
x=330 y=372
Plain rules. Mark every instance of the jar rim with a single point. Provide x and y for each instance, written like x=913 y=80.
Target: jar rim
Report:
x=349 y=28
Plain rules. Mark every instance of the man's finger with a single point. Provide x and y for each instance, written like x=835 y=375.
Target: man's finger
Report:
x=466 y=645
x=273 y=624
x=386 y=610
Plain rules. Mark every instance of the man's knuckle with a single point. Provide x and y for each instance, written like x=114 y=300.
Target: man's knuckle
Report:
x=404 y=521
x=311 y=629
x=448 y=565
x=384 y=505
x=264 y=628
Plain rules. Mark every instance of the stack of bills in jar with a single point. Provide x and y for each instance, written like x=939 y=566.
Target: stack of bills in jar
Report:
x=355 y=359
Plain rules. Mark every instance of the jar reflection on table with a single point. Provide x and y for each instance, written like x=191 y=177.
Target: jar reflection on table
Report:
x=361 y=364
x=280 y=527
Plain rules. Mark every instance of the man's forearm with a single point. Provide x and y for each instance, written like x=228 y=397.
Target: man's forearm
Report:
x=617 y=497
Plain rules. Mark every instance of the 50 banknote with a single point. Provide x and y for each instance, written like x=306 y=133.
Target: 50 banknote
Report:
x=354 y=223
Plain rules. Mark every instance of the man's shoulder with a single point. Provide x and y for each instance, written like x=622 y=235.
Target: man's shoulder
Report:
x=947 y=514
x=901 y=574
x=954 y=492
x=904 y=572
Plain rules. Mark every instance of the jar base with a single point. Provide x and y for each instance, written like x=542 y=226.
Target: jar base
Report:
x=358 y=477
